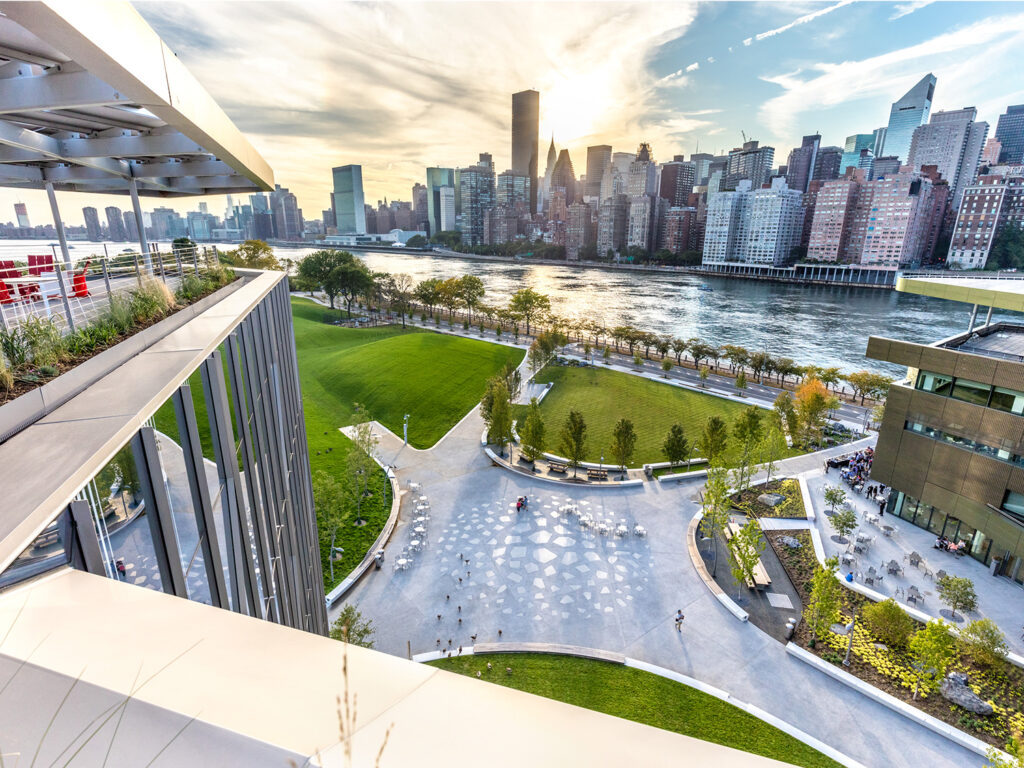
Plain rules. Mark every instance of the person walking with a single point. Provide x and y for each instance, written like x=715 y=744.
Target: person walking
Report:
x=679 y=620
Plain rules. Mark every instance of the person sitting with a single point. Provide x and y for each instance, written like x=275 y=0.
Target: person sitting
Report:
x=942 y=543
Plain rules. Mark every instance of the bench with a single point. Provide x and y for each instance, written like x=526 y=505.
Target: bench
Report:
x=597 y=474
x=556 y=467
x=761 y=577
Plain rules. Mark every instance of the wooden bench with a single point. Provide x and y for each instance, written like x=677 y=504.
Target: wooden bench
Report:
x=597 y=474
x=556 y=467
x=761 y=577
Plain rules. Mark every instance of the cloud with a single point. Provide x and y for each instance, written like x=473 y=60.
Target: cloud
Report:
x=961 y=75
x=905 y=9
x=799 y=20
x=693 y=67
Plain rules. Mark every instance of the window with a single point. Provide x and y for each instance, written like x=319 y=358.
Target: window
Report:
x=971 y=391
x=1014 y=504
x=1007 y=400
x=935 y=382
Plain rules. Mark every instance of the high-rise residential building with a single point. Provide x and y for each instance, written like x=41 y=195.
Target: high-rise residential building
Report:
x=167 y=224
x=131 y=226
x=750 y=161
x=438 y=179
x=348 y=201
x=579 y=229
x=616 y=181
x=988 y=206
x=990 y=154
x=879 y=134
x=800 y=165
x=1010 y=132
x=701 y=161
x=754 y=226
x=833 y=217
x=477 y=186
x=643 y=173
x=721 y=225
x=284 y=206
x=676 y=230
x=525 y=138
x=115 y=224
x=92 y=224
x=885 y=166
x=513 y=191
x=612 y=224
x=259 y=203
x=810 y=201
x=21 y=213
x=719 y=165
x=952 y=141
x=678 y=178
x=501 y=224
x=445 y=208
x=826 y=164
x=419 y=206
x=855 y=144
x=643 y=222
x=599 y=161
x=563 y=177
x=906 y=116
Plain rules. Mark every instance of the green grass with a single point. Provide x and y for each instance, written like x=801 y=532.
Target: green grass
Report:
x=604 y=397
x=642 y=697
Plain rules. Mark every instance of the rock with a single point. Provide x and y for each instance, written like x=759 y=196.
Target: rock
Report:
x=954 y=688
x=839 y=629
x=771 y=499
x=789 y=541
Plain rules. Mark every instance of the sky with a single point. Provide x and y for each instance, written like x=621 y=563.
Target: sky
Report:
x=398 y=87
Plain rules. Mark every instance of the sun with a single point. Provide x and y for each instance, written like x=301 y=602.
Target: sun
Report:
x=570 y=108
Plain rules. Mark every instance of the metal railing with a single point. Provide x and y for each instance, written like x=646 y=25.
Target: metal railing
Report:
x=78 y=293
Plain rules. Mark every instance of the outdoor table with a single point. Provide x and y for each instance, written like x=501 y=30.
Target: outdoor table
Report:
x=888 y=530
x=873 y=519
x=47 y=285
x=863 y=538
x=415 y=543
x=402 y=563
x=419 y=529
x=621 y=530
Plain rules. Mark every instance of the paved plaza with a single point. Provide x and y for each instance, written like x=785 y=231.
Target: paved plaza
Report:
x=537 y=576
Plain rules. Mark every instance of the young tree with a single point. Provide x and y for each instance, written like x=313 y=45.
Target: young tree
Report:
x=747 y=431
x=822 y=609
x=499 y=425
x=428 y=293
x=529 y=305
x=746 y=547
x=623 y=443
x=889 y=622
x=253 y=254
x=637 y=360
x=329 y=498
x=715 y=503
x=740 y=382
x=401 y=294
x=676 y=447
x=771 y=447
x=471 y=291
x=843 y=523
x=352 y=627
x=513 y=379
x=606 y=355
x=703 y=377
x=666 y=366
x=784 y=407
x=834 y=496
x=931 y=647
x=362 y=458
x=573 y=439
x=811 y=406
x=713 y=440
x=984 y=642
x=958 y=593
x=531 y=433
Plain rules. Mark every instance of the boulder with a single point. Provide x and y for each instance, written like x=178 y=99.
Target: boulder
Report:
x=771 y=499
x=789 y=541
x=954 y=688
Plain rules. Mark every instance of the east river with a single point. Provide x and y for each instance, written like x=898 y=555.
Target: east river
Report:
x=811 y=324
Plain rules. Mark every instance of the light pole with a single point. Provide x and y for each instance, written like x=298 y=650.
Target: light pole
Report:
x=405 y=430
x=849 y=642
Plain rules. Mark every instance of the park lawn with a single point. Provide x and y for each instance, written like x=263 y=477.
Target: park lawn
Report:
x=604 y=397
x=642 y=697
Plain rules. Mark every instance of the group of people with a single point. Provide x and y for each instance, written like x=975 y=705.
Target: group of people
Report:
x=521 y=503
x=946 y=545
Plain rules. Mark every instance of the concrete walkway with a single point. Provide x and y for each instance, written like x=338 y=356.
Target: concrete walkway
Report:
x=539 y=577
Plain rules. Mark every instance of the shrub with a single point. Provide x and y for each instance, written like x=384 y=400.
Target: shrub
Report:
x=150 y=300
x=119 y=313
x=983 y=641
x=889 y=622
x=6 y=378
x=14 y=347
x=44 y=339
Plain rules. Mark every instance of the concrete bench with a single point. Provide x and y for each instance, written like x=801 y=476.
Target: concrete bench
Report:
x=553 y=648
x=597 y=474
x=761 y=577
x=556 y=467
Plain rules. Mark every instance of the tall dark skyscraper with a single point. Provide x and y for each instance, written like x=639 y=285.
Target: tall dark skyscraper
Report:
x=525 y=138
x=599 y=162
x=1010 y=132
x=907 y=115
x=92 y=223
x=564 y=177
x=800 y=165
x=115 y=224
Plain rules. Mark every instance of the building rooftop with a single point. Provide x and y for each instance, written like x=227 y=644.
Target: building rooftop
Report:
x=998 y=290
x=93 y=99
x=1002 y=341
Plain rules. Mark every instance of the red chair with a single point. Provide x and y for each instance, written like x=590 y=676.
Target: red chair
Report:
x=8 y=298
x=37 y=264
x=79 y=286
x=25 y=290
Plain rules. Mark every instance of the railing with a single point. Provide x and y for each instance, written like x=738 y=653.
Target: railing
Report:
x=78 y=293
x=957 y=275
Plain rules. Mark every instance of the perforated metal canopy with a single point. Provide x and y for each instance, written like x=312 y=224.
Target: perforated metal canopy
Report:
x=91 y=98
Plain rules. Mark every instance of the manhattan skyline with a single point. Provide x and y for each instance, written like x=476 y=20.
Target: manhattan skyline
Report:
x=682 y=77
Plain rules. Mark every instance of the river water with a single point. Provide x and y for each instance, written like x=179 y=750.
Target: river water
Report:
x=811 y=324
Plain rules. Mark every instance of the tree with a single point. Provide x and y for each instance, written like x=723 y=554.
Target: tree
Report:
x=759 y=362
x=536 y=357
x=183 y=246
x=1007 y=248
x=740 y=382
x=703 y=377
x=783 y=406
x=737 y=356
x=931 y=647
x=353 y=628
x=679 y=346
x=746 y=546
x=449 y=294
x=771 y=447
x=361 y=460
x=889 y=622
x=401 y=294
x=531 y=433
x=700 y=351
x=861 y=382
x=416 y=241
x=958 y=593
x=713 y=439
x=330 y=500
x=1014 y=748
x=676 y=447
x=843 y=523
x=471 y=291
x=811 y=405
x=349 y=280
x=573 y=439
x=428 y=293
x=747 y=432
x=499 y=418
x=715 y=503
x=834 y=496
x=623 y=443
x=984 y=642
x=513 y=379
x=822 y=609
x=529 y=305
x=252 y=254
x=666 y=366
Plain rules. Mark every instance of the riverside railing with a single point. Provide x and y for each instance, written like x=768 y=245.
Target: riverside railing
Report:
x=76 y=294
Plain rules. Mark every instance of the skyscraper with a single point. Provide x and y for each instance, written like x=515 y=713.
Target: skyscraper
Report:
x=906 y=115
x=800 y=165
x=92 y=224
x=21 y=212
x=1010 y=132
x=115 y=224
x=988 y=206
x=347 y=199
x=563 y=177
x=852 y=150
x=750 y=161
x=612 y=222
x=826 y=164
x=643 y=172
x=477 y=184
x=952 y=141
x=438 y=179
x=579 y=229
x=513 y=191
x=599 y=161
x=677 y=180
x=525 y=141
x=702 y=161
x=284 y=207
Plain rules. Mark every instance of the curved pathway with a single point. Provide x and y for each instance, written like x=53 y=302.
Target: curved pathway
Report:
x=538 y=577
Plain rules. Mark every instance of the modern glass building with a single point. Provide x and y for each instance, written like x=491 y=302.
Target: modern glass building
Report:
x=906 y=115
x=347 y=199
x=438 y=217
x=526 y=138
x=852 y=151
x=1010 y=133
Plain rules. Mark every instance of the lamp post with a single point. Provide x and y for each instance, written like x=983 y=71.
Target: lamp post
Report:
x=405 y=430
x=849 y=642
